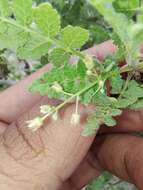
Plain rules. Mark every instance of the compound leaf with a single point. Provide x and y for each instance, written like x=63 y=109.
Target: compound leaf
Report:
x=73 y=37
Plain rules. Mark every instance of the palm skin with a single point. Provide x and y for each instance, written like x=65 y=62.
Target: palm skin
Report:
x=57 y=156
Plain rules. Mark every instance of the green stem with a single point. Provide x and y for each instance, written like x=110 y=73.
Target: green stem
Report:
x=69 y=100
x=12 y=22
x=125 y=86
x=77 y=103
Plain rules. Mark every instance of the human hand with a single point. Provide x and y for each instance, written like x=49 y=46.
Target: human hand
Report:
x=57 y=156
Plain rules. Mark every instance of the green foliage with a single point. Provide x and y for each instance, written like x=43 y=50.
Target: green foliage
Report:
x=35 y=32
x=4 y=8
x=127 y=7
x=81 y=13
x=59 y=57
x=129 y=31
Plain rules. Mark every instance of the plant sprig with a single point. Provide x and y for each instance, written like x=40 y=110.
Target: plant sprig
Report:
x=33 y=32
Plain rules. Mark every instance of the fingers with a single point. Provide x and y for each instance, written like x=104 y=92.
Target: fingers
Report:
x=17 y=99
x=88 y=170
x=57 y=148
x=122 y=155
x=129 y=121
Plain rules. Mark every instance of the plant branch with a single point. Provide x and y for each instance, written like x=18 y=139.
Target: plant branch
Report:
x=70 y=99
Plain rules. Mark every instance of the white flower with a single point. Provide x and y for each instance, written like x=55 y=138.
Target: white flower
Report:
x=57 y=87
x=75 y=119
x=35 y=123
x=45 y=109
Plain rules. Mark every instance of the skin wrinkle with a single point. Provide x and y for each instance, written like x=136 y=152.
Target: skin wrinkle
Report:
x=24 y=140
x=13 y=177
x=16 y=160
x=22 y=180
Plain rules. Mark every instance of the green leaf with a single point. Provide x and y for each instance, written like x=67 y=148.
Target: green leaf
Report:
x=67 y=77
x=4 y=8
x=41 y=88
x=109 y=121
x=34 y=47
x=59 y=57
x=47 y=19
x=125 y=6
x=118 y=21
x=116 y=84
x=134 y=90
x=81 y=69
x=11 y=36
x=115 y=112
x=101 y=99
x=87 y=96
x=100 y=182
x=136 y=34
x=23 y=11
x=125 y=102
x=137 y=105
x=73 y=37
x=91 y=127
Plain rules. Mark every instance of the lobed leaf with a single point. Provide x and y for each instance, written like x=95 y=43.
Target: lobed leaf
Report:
x=109 y=121
x=91 y=127
x=22 y=10
x=35 y=46
x=73 y=37
x=137 y=105
x=47 y=19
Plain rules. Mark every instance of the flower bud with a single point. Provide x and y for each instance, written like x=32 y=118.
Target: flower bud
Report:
x=45 y=109
x=35 y=123
x=55 y=116
x=75 y=119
